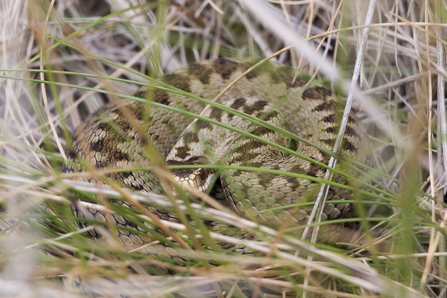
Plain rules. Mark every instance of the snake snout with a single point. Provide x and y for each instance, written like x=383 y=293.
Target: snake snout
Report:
x=198 y=179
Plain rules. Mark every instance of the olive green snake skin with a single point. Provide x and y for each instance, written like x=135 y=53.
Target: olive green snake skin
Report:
x=111 y=139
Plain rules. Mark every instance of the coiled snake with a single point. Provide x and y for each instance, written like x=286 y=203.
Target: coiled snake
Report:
x=269 y=92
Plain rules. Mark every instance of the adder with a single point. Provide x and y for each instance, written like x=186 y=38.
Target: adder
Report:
x=112 y=139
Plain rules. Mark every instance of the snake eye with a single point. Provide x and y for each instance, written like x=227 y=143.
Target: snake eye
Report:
x=202 y=174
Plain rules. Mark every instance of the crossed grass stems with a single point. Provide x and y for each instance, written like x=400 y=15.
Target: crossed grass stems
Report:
x=381 y=192
x=65 y=219
x=163 y=86
x=134 y=215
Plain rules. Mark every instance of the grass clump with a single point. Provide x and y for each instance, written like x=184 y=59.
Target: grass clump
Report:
x=62 y=61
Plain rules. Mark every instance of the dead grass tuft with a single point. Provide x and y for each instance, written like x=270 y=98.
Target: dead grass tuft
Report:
x=387 y=58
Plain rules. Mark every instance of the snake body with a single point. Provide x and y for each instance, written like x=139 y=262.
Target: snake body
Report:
x=113 y=139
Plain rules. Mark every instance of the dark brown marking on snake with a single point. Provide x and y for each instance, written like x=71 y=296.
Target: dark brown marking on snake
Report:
x=162 y=96
x=216 y=114
x=271 y=115
x=275 y=167
x=101 y=126
x=183 y=172
x=252 y=74
x=291 y=181
x=260 y=131
x=329 y=142
x=116 y=156
x=325 y=159
x=130 y=224
x=313 y=170
x=351 y=120
x=201 y=72
x=351 y=132
x=255 y=107
x=126 y=175
x=328 y=119
x=202 y=124
x=189 y=161
x=316 y=93
x=225 y=67
x=72 y=153
x=330 y=130
x=178 y=81
x=325 y=106
x=116 y=111
x=182 y=152
x=97 y=146
x=291 y=82
x=125 y=126
x=190 y=137
x=321 y=156
x=239 y=102
x=348 y=146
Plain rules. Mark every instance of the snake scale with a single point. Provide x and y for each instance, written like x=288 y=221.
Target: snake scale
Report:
x=270 y=92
